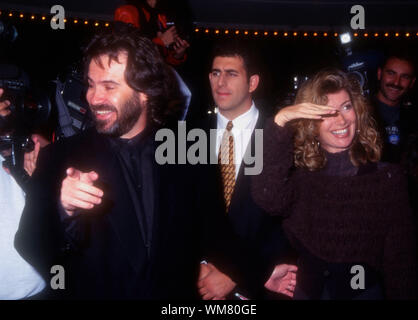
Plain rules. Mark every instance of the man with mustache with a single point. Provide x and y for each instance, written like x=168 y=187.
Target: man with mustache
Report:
x=396 y=77
x=397 y=118
x=122 y=226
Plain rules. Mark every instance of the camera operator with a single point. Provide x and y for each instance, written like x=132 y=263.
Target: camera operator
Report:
x=18 y=279
x=152 y=23
x=146 y=15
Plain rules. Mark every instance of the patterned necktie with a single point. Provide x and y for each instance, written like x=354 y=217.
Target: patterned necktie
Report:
x=227 y=163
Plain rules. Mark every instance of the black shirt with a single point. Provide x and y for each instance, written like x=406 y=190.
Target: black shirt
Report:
x=136 y=159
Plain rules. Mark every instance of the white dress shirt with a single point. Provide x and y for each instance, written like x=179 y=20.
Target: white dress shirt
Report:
x=243 y=127
x=18 y=279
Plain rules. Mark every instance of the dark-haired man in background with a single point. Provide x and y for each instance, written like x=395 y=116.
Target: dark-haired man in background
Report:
x=396 y=77
x=397 y=117
x=234 y=78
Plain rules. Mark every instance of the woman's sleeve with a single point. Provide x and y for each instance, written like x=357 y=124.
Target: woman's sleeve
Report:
x=400 y=257
x=272 y=189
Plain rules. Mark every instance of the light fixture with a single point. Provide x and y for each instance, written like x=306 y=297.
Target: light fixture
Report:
x=345 y=38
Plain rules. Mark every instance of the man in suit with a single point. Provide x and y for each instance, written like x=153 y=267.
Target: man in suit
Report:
x=122 y=226
x=234 y=78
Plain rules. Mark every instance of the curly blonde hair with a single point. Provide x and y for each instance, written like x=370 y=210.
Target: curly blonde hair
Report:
x=366 y=145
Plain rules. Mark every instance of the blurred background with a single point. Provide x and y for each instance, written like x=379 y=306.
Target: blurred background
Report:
x=294 y=38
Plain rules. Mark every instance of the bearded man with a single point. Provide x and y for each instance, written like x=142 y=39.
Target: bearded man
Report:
x=120 y=225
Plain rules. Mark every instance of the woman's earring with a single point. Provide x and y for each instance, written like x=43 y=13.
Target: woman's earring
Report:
x=317 y=143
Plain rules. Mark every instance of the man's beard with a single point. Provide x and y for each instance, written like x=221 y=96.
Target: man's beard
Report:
x=126 y=117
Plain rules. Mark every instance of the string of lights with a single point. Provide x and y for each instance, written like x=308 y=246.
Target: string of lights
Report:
x=218 y=31
x=294 y=34
x=46 y=18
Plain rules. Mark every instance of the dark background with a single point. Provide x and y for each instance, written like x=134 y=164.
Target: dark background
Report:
x=45 y=53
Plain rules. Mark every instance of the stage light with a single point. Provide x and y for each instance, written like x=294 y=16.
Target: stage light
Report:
x=315 y=34
x=256 y=33
x=107 y=24
x=207 y=31
x=226 y=31
x=21 y=15
x=96 y=24
x=366 y=35
x=376 y=34
x=305 y=34
x=407 y=34
x=86 y=22
x=275 y=33
x=396 y=34
x=75 y=21
x=32 y=17
x=295 y=34
x=345 y=38
x=325 y=34
x=386 y=34
x=245 y=32
x=196 y=30
x=236 y=31
x=285 y=34
x=216 y=31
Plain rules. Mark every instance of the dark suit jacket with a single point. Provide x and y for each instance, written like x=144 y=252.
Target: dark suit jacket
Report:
x=103 y=251
x=256 y=231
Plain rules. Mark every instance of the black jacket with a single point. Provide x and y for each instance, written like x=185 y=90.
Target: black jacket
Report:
x=103 y=251
x=258 y=233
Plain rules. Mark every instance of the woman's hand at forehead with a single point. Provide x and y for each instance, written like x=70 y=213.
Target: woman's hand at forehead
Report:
x=305 y=110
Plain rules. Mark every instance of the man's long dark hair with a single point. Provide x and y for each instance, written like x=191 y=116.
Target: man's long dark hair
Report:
x=145 y=72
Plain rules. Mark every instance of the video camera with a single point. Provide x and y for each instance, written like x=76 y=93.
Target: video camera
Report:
x=355 y=63
x=29 y=111
x=8 y=33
